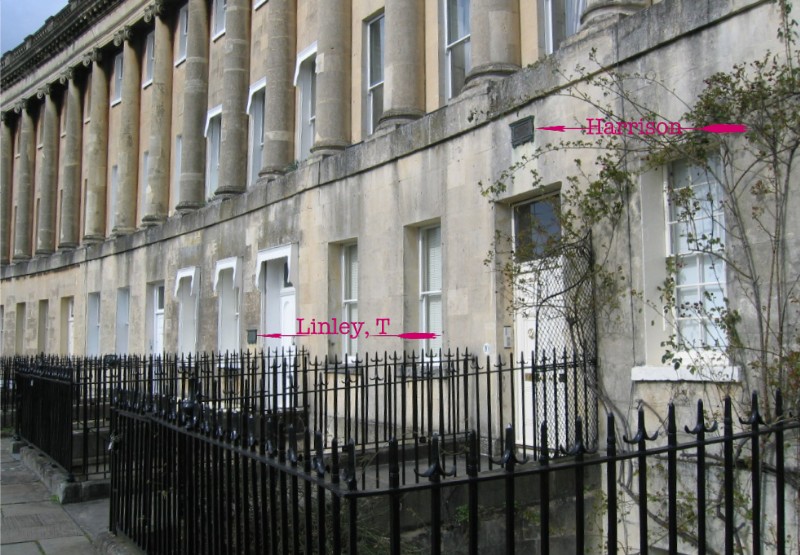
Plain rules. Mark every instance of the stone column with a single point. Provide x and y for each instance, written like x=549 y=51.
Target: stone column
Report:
x=71 y=162
x=495 y=41
x=279 y=95
x=6 y=188
x=97 y=146
x=598 y=11
x=48 y=180
x=404 y=92
x=195 y=100
x=128 y=145
x=333 y=78
x=24 y=188
x=157 y=183
x=235 y=79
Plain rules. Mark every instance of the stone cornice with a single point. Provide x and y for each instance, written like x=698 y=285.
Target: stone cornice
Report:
x=61 y=31
x=57 y=34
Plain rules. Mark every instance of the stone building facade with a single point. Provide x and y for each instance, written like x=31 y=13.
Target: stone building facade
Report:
x=178 y=174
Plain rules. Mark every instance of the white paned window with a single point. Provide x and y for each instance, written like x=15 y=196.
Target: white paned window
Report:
x=696 y=235
x=183 y=33
x=350 y=294
x=112 y=197
x=218 y=18
x=143 y=180
x=176 y=175
x=93 y=324
x=68 y=325
x=123 y=320
x=457 y=44
x=155 y=311
x=536 y=228
x=213 y=146
x=375 y=50
x=255 y=107
x=305 y=79
x=41 y=338
x=228 y=310
x=116 y=91
x=186 y=289
x=430 y=284
x=149 y=58
x=562 y=18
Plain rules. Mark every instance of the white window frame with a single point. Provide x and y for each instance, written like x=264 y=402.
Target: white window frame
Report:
x=349 y=301
x=183 y=34
x=191 y=274
x=213 y=134
x=116 y=96
x=377 y=86
x=702 y=284
x=569 y=15
x=149 y=58
x=68 y=323
x=176 y=176
x=43 y=317
x=234 y=265
x=144 y=180
x=425 y=294
x=93 y=323
x=305 y=79
x=112 y=197
x=218 y=16
x=450 y=46
x=256 y=146
x=123 y=320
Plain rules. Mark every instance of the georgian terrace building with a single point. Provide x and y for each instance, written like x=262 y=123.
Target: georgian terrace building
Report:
x=179 y=176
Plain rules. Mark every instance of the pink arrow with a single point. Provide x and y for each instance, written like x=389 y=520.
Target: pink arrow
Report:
x=410 y=335
x=719 y=128
x=560 y=128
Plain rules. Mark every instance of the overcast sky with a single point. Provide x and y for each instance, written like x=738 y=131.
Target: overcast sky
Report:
x=20 y=18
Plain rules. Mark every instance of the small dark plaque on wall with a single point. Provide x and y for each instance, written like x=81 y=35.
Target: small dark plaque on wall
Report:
x=521 y=131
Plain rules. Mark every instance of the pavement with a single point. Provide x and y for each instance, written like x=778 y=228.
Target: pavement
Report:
x=34 y=522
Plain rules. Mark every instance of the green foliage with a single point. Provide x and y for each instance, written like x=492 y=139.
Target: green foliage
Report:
x=749 y=241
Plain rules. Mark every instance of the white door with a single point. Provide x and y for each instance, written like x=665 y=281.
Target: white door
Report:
x=278 y=310
x=71 y=327
x=540 y=339
x=158 y=320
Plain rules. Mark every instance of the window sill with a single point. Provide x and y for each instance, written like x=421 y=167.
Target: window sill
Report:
x=718 y=374
x=258 y=4
x=116 y=101
x=147 y=83
x=217 y=36
x=179 y=61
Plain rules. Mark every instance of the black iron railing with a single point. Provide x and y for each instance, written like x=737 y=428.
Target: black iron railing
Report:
x=62 y=406
x=190 y=490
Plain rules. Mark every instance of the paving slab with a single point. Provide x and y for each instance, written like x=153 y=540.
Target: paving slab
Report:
x=28 y=548
x=33 y=522
x=79 y=545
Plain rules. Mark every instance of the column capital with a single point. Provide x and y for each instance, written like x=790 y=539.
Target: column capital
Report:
x=94 y=55
x=45 y=90
x=123 y=35
x=22 y=105
x=156 y=9
x=67 y=75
